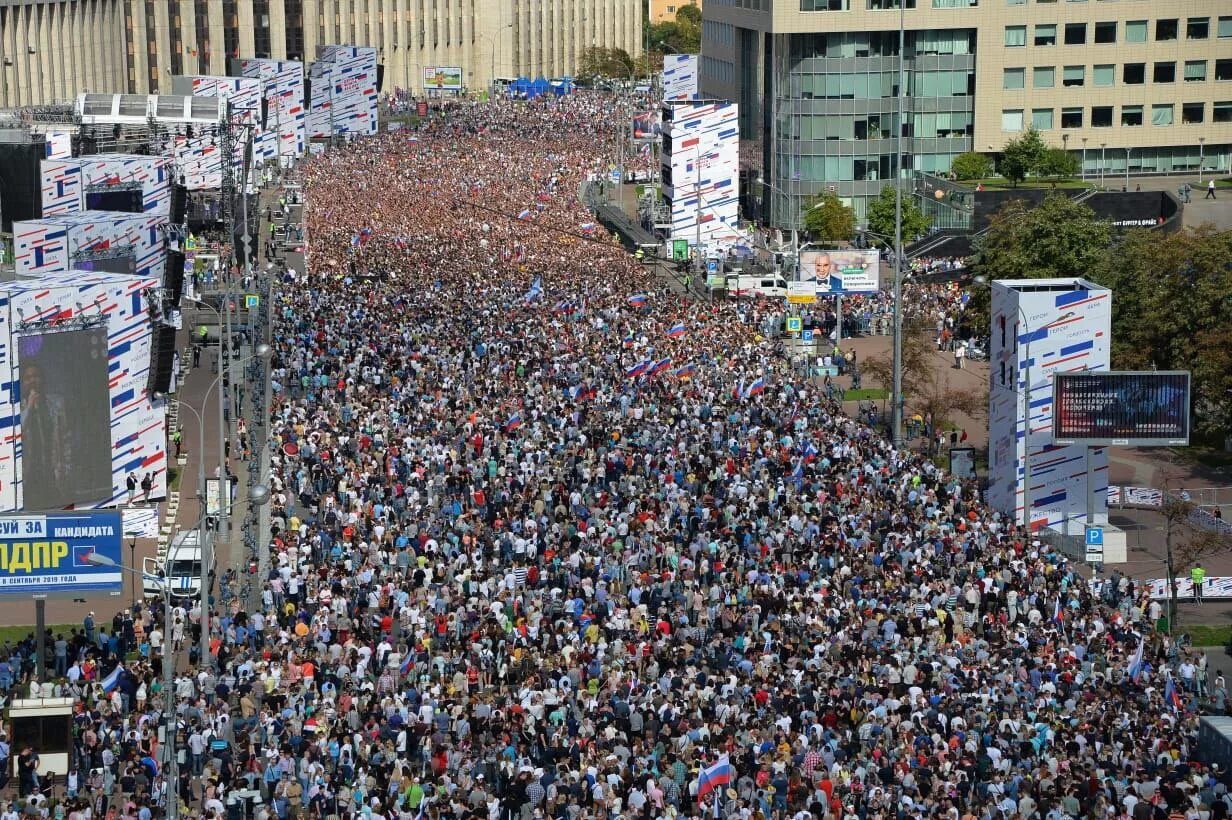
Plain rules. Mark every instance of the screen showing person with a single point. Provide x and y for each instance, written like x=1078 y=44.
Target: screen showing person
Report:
x=65 y=417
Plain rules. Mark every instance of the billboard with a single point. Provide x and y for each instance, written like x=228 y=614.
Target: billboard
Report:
x=107 y=182
x=442 y=78
x=835 y=273
x=134 y=440
x=343 y=92
x=680 y=76
x=286 y=115
x=47 y=554
x=1126 y=408
x=701 y=170
x=91 y=240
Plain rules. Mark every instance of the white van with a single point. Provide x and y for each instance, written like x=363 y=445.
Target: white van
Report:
x=770 y=286
x=183 y=568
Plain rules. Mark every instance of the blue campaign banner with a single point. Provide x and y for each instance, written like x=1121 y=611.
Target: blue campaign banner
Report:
x=46 y=553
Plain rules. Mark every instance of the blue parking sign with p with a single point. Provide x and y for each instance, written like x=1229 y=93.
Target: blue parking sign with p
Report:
x=806 y=335
x=1095 y=536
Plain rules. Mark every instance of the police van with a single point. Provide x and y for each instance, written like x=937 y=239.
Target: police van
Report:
x=181 y=567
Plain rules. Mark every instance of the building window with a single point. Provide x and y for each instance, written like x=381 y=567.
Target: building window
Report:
x=1074 y=76
x=1015 y=35
x=1015 y=2
x=825 y=5
x=1221 y=112
x=1131 y=115
x=1071 y=117
x=1193 y=113
x=1046 y=34
x=1044 y=76
x=955 y=4
x=1164 y=73
x=1161 y=114
x=1105 y=32
x=1075 y=34
x=1014 y=78
x=1133 y=73
x=1225 y=27
x=1135 y=31
x=1195 y=71
x=1011 y=120
x=1166 y=29
x=1103 y=75
x=1101 y=116
x=1041 y=119
x=1223 y=69
x=886 y=5
x=1198 y=28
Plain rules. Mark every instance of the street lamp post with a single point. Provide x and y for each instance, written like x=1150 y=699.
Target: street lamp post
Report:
x=1103 y=164
x=1127 y=150
x=1084 y=159
x=1201 y=158
x=795 y=234
x=896 y=412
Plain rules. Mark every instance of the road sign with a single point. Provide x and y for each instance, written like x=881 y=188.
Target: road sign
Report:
x=806 y=335
x=794 y=324
x=252 y=301
x=1095 y=545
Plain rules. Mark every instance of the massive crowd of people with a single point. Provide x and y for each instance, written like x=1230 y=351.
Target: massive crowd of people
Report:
x=551 y=540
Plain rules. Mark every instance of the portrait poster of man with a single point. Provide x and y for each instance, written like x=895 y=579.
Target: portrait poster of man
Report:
x=840 y=271
x=65 y=418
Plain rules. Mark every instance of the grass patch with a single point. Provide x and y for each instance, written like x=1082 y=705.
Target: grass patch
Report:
x=1206 y=634
x=13 y=634
x=174 y=476
x=867 y=394
x=1226 y=182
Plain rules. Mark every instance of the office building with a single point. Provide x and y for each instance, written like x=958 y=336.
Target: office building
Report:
x=1114 y=81
x=54 y=49
x=664 y=11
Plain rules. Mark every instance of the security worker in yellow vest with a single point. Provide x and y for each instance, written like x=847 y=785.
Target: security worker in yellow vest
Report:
x=1197 y=576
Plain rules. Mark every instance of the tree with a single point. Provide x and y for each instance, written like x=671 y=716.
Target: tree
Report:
x=682 y=35
x=599 y=61
x=971 y=165
x=1057 y=238
x=1171 y=311
x=880 y=215
x=828 y=219
x=1057 y=163
x=927 y=388
x=1022 y=156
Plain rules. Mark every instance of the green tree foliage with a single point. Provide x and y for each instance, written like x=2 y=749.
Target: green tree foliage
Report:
x=1172 y=310
x=881 y=215
x=1056 y=238
x=1022 y=156
x=681 y=36
x=1057 y=163
x=602 y=62
x=971 y=165
x=828 y=219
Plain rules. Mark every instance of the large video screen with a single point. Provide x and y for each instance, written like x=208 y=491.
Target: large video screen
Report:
x=1121 y=408
x=115 y=199
x=65 y=418
x=121 y=262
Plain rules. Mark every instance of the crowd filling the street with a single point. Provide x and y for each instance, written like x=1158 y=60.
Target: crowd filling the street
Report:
x=552 y=541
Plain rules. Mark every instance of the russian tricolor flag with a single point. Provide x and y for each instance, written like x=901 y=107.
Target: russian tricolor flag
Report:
x=660 y=366
x=638 y=369
x=714 y=777
x=525 y=214
x=113 y=680
x=677 y=330
x=407 y=663
x=637 y=299
x=686 y=371
x=628 y=342
x=514 y=422
x=758 y=386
